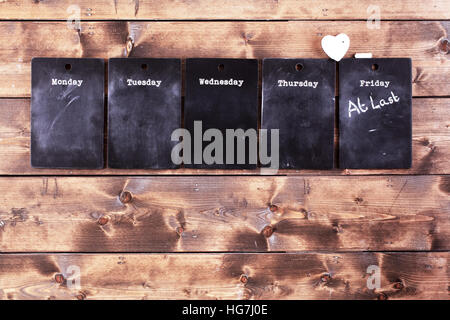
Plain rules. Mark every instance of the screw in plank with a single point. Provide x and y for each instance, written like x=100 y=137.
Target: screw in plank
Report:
x=243 y=278
x=267 y=231
x=103 y=220
x=125 y=197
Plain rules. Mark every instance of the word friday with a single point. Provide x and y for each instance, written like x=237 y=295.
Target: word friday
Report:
x=361 y=107
x=376 y=83
x=64 y=82
x=306 y=83
x=148 y=82
x=216 y=82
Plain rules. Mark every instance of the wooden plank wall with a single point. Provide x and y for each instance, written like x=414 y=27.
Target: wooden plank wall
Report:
x=202 y=234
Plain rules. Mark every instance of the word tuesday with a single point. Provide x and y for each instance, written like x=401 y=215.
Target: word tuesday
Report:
x=148 y=82
x=216 y=82
x=64 y=82
x=306 y=83
x=361 y=107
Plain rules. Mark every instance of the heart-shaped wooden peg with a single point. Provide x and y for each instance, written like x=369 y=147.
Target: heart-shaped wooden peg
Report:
x=336 y=47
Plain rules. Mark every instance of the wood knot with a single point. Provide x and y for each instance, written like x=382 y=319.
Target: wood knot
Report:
x=81 y=296
x=243 y=278
x=398 y=285
x=180 y=230
x=59 y=278
x=325 y=278
x=129 y=47
x=382 y=296
x=125 y=197
x=304 y=212
x=444 y=45
x=273 y=208
x=267 y=231
x=103 y=220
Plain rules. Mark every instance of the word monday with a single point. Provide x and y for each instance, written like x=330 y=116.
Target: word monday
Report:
x=64 y=82
x=148 y=83
x=360 y=107
x=306 y=83
x=217 y=82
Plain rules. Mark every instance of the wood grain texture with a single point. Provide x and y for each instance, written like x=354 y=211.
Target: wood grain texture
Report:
x=230 y=9
x=424 y=43
x=218 y=276
x=221 y=214
x=431 y=145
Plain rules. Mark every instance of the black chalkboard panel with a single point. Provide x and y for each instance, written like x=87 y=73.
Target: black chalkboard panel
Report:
x=144 y=108
x=375 y=113
x=67 y=113
x=223 y=94
x=299 y=100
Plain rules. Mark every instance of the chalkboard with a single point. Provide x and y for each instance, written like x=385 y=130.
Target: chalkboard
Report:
x=375 y=113
x=67 y=113
x=144 y=108
x=222 y=94
x=299 y=100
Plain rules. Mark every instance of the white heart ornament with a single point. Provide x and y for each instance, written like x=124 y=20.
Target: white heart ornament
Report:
x=336 y=47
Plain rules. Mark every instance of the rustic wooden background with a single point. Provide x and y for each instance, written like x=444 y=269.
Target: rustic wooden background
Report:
x=225 y=234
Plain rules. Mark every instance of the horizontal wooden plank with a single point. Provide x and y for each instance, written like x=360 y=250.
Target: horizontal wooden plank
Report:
x=431 y=145
x=224 y=276
x=230 y=9
x=197 y=214
x=425 y=43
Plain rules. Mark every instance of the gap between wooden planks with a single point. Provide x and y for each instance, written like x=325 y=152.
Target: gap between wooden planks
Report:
x=230 y=9
x=224 y=276
x=431 y=145
x=224 y=214
x=424 y=41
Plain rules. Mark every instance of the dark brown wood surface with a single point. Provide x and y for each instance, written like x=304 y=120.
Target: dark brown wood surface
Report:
x=229 y=9
x=423 y=41
x=202 y=234
x=224 y=276
x=166 y=214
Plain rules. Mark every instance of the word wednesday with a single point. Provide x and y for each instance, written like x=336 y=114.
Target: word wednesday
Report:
x=361 y=107
x=64 y=82
x=148 y=82
x=306 y=83
x=217 y=82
